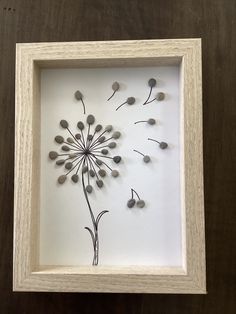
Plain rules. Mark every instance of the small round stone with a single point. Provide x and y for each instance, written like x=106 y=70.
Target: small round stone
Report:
x=75 y=178
x=62 y=179
x=99 y=162
x=90 y=119
x=78 y=95
x=80 y=125
x=64 y=124
x=78 y=136
x=104 y=151
x=84 y=169
x=117 y=159
x=102 y=172
x=115 y=173
x=90 y=137
x=99 y=183
x=98 y=128
x=53 y=155
x=112 y=145
x=115 y=86
x=130 y=100
x=68 y=165
x=116 y=135
x=60 y=162
x=65 y=148
x=101 y=139
x=140 y=203
x=131 y=203
x=160 y=96
x=146 y=159
x=151 y=121
x=163 y=145
x=89 y=188
x=70 y=140
x=152 y=82
x=73 y=155
x=92 y=173
x=109 y=128
x=59 y=139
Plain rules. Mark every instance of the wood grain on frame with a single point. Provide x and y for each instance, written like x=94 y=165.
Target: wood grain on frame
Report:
x=28 y=275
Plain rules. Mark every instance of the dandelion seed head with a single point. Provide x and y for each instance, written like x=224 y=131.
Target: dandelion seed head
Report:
x=59 y=139
x=160 y=96
x=152 y=82
x=64 y=124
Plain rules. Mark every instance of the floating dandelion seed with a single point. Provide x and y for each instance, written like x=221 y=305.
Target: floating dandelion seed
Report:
x=115 y=87
x=162 y=145
x=132 y=201
x=146 y=158
x=79 y=96
x=150 y=121
x=159 y=97
x=129 y=101
x=151 y=83
x=84 y=154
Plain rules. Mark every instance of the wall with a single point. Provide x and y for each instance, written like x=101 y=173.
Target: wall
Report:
x=72 y=20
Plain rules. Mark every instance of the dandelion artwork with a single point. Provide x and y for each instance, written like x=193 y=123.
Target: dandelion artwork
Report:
x=85 y=156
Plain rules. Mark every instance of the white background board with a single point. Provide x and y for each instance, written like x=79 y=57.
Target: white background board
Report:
x=148 y=236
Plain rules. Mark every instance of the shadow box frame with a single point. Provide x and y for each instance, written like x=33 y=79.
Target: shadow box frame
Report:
x=28 y=274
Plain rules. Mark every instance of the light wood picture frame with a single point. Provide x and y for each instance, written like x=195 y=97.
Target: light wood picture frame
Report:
x=28 y=274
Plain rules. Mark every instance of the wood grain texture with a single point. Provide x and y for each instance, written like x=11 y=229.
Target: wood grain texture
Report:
x=72 y=20
x=30 y=57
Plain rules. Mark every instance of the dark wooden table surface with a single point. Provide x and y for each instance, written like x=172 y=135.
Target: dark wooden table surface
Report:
x=72 y=20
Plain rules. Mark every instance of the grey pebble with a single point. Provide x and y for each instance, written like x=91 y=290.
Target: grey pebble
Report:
x=116 y=135
x=90 y=119
x=131 y=203
x=78 y=95
x=80 y=125
x=109 y=128
x=151 y=121
x=59 y=139
x=99 y=162
x=163 y=145
x=115 y=86
x=73 y=155
x=152 y=82
x=99 y=183
x=65 y=148
x=84 y=169
x=64 y=124
x=68 y=165
x=90 y=137
x=116 y=159
x=112 y=145
x=53 y=155
x=75 y=178
x=146 y=159
x=130 y=100
x=98 y=128
x=62 y=179
x=160 y=96
x=115 y=173
x=101 y=139
x=89 y=188
x=60 y=162
x=70 y=140
x=140 y=203
x=104 y=151
x=102 y=172
x=92 y=173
